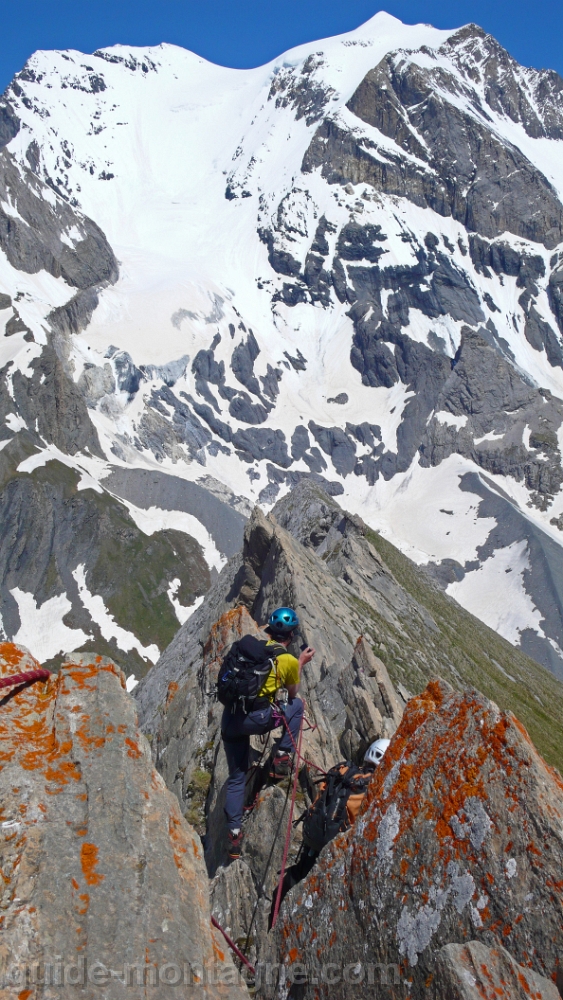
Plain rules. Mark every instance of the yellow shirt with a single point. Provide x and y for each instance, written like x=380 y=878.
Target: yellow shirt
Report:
x=285 y=673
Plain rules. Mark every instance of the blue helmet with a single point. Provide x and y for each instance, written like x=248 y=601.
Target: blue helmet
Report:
x=283 y=621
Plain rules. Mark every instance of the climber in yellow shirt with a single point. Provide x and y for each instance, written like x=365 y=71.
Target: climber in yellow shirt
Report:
x=245 y=721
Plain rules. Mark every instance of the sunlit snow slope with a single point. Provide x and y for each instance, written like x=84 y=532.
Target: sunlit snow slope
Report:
x=347 y=264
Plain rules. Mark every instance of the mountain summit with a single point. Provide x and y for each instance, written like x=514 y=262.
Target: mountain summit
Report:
x=346 y=265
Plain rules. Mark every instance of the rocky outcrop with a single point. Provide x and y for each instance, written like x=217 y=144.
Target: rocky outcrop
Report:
x=526 y=96
x=410 y=105
x=34 y=232
x=490 y=396
x=103 y=880
x=473 y=971
x=50 y=403
x=373 y=709
x=459 y=842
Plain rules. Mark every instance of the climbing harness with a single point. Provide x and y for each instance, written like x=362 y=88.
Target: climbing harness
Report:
x=289 y=827
x=232 y=945
x=25 y=678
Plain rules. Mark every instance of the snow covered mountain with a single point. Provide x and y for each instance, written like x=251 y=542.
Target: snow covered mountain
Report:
x=345 y=265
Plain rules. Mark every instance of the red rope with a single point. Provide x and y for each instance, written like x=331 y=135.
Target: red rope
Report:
x=29 y=675
x=233 y=946
x=299 y=756
x=289 y=827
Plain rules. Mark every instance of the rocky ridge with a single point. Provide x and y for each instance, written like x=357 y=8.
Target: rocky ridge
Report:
x=455 y=856
x=357 y=688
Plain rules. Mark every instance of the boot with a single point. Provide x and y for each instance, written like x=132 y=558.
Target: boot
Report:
x=281 y=765
x=234 y=844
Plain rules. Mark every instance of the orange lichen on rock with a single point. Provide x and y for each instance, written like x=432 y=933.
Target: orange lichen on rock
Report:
x=232 y=625
x=171 y=691
x=88 y=862
x=457 y=821
x=133 y=750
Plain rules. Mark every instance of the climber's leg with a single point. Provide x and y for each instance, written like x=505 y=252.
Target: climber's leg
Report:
x=293 y=716
x=236 y=730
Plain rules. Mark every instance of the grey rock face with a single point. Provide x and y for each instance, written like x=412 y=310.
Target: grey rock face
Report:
x=529 y=97
x=493 y=396
x=298 y=88
x=555 y=294
x=96 y=382
x=9 y=124
x=459 y=146
x=471 y=971
x=373 y=709
x=32 y=241
x=337 y=444
x=73 y=317
x=51 y=401
x=103 y=871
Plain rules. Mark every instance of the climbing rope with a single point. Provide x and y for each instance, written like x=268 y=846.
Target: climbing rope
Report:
x=289 y=827
x=262 y=882
x=299 y=756
x=280 y=719
x=27 y=677
x=233 y=946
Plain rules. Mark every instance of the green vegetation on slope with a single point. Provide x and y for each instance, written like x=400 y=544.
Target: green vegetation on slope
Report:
x=49 y=527
x=467 y=652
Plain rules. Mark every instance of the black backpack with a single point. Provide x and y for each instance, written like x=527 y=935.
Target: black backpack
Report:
x=244 y=670
x=337 y=804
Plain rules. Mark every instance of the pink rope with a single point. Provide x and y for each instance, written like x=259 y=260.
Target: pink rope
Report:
x=279 y=717
x=29 y=675
x=233 y=946
x=289 y=829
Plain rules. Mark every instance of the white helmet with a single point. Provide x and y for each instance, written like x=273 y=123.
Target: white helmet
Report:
x=374 y=753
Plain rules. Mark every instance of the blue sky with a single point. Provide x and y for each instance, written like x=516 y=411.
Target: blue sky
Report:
x=250 y=32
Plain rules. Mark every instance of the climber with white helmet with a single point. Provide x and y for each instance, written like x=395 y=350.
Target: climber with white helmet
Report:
x=335 y=809
x=374 y=753
x=258 y=682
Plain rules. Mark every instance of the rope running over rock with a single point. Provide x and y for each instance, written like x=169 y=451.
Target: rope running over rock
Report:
x=25 y=678
x=233 y=946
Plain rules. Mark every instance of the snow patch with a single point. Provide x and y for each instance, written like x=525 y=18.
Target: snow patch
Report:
x=183 y=612
x=51 y=453
x=451 y=419
x=42 y=629
x=15 y=422
x=156 y=519
x=496 y=594
x=109 y=628
x=491 y=436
